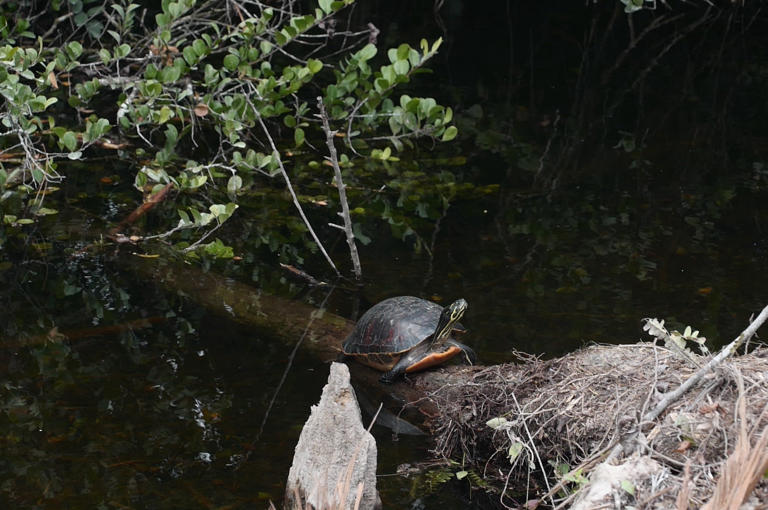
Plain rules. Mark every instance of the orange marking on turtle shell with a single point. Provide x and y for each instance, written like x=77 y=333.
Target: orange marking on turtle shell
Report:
x=434 y=358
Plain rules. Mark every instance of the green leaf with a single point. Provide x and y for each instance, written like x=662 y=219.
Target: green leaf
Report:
x=171 y=135
x=414 y=58
x=170 y=74
x=314 y=65
x=201 y=49
x=298 y=136
x=388 y=73
x=496 y=423
x=190 y=55
x=628 y=487
x=367 y=52
x=514 y=450
x=165 y=114
x=450 y=133
x=197 y=181
x=218 y=249
x=162 y=20
x=122 y=51
x=74 y=49
x=69 y=140
x=235 y=183
x=461 y=474
x=325 y=5
x=381 y=85
x=402 y=51
x=448 y=116
x=231 y=62
x=105 y=56
x=302 y=23
x=394 y=124
x=289 y=121
x=95 y=27
x=222 y=212
x=401 y=67
x=424 y=45
x=37 y=175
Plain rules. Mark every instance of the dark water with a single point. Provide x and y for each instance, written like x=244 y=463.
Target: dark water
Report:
x=173 y=415
x=194 y=411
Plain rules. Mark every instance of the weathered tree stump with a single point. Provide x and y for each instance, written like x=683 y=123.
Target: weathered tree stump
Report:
x=335 y=461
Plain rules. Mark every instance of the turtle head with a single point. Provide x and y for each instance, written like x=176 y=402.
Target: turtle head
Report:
x=448 y=318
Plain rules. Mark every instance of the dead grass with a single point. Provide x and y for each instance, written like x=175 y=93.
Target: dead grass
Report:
x=574 y=410
x=746 y=465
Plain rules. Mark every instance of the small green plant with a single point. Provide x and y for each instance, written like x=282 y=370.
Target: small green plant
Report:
x=516 y=445
x=574 y=480
x=435 y=478
x=675 y=340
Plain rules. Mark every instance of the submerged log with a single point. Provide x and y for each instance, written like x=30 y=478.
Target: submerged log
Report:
x=286 y=319
x=544 y=426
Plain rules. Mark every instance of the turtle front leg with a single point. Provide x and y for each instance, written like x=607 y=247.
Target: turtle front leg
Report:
x=469 y=354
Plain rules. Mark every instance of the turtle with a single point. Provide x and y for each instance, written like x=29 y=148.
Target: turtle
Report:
x=406 y=334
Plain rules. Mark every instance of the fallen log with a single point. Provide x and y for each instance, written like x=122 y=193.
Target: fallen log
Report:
x=542 y=426
x=318 y=331
x=286 y=319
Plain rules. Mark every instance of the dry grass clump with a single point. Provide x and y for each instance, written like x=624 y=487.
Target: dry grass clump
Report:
x=563 y=417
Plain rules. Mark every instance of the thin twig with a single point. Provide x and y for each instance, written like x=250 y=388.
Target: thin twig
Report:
x=333 y=156
x=140 y=211
x=283 y=378
x=276 y=155
x=533 y=447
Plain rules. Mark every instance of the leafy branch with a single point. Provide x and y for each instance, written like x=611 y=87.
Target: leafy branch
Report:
x=212 y=100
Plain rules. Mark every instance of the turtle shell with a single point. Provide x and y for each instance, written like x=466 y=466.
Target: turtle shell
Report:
x=391 y=328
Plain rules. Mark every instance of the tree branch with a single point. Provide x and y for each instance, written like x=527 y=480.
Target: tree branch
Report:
x=727 y=351
x=342 y=192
